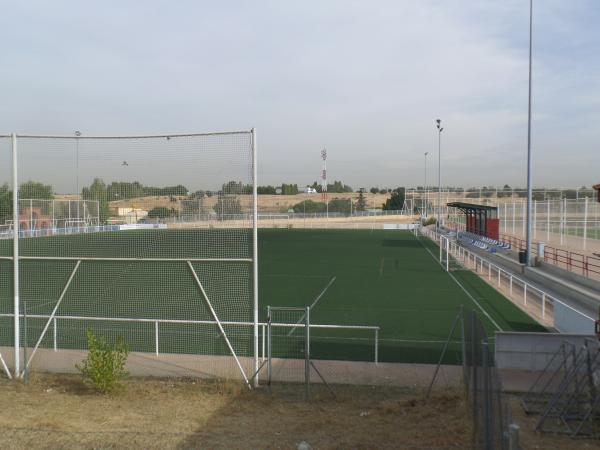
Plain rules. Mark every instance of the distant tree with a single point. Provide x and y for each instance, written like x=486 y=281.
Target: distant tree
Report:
x=338 y=187
x=289 y=189
x=317 y=187
x=340 y=205
x=266 y=190
x=361 y=203
x=374 y=190
x=98 y=191
x=309 y=206
x=160 y=212
x=537 y=194
x=396 y=201
x=5 y=203
x=33 y=189
x=227 y=205
x=383 y=191
x=570 y=194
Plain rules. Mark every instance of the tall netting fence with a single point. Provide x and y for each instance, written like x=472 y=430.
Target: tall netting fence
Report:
x=572 y=223
x=489 y=407
x=98 y=250
x=6 y=264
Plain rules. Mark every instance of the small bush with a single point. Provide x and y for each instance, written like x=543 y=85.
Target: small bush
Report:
x=429 y=221
x=104 y=367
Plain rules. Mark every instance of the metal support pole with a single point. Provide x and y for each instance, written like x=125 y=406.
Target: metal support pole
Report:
x=156 y=337
x=269 y=347
x=255 y=250
x=376 y=345
x=548 y=221
x=307 y=352
x=529 y=159
x=585 y=218
x=54 y=331
x=15 y=203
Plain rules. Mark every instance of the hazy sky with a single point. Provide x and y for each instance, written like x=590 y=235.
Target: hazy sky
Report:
x=365 y=79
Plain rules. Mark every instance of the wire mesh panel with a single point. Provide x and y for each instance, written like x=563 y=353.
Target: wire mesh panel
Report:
x=6 y=265
x=102 y=246
x=490 y=410
x=288 y=338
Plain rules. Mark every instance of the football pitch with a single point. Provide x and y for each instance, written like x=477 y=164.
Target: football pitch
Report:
x=385 y=278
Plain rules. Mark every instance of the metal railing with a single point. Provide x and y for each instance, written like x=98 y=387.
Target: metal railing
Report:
x=532 y=298
x=157 y=322
x=572 y=261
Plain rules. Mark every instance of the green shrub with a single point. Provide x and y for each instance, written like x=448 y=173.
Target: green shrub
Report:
x=104 y=367
x=428 y=221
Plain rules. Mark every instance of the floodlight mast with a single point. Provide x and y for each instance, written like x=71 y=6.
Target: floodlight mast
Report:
x=425 y=193
x=529 y=187
x=440 y=129
x=324 y=181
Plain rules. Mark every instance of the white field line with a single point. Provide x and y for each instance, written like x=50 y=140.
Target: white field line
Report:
x=322 y=292
x=313 y=304
x=465 y=291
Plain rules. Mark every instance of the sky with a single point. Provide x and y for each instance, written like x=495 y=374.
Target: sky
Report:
x=366 y=80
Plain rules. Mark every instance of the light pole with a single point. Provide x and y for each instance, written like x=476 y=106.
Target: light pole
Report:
x=425 y=194
x=440 y=129
x=529 y=190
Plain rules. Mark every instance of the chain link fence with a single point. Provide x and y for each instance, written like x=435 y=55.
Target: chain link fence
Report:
x=489 y=407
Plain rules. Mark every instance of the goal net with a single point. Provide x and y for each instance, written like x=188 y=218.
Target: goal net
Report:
x=182 y=294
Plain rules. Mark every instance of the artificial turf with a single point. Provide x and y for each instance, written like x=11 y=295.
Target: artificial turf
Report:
x=384 y=278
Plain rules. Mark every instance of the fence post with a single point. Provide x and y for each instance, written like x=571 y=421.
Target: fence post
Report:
x=55 y=333
x=487 y=408
x=307 y=352
x=513 y=437
x=156 y=337
x=543 y=305
x=269 y=362
x=376 y=345
x=585 y=218
x=524 y=293
x=17 y=317
x=510 y=284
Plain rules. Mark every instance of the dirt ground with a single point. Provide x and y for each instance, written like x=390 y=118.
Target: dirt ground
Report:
x=58 y=411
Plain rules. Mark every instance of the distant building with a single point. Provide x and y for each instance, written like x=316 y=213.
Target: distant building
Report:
x=131 y=215
x=309 y=190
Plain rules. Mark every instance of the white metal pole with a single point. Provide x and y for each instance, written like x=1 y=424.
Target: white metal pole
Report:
x=425 y=196
x=255 y=250
x=548 y=221
x=534 y=219
x=15 y=186
x=585 y=219
x=513 y=219
x=525 y=219
x=529 y=187
x=439 y=174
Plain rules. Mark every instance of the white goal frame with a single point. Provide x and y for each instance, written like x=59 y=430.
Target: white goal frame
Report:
x=20 y=366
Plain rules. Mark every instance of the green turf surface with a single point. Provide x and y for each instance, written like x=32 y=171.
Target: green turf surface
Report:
x=384 y=278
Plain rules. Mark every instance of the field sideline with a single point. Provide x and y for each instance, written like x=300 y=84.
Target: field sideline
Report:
x=384 y=278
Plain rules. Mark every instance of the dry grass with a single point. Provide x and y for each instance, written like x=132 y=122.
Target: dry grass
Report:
x=532 y=440
x=266 y=203
x=58 y=411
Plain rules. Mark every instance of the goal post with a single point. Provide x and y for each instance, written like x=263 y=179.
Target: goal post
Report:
x=445 y=252
x=189 y=290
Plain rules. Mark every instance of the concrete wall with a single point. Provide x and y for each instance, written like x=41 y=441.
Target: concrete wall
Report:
x=531 y=351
